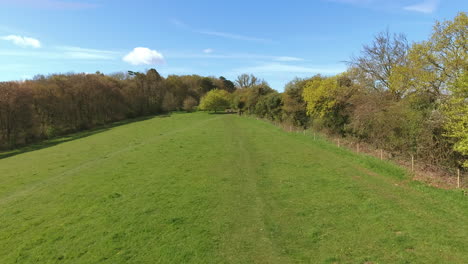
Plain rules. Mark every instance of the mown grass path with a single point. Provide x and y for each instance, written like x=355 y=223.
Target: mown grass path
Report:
x=200 y=188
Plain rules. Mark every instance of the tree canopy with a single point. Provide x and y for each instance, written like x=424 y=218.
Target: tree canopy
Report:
x=215 y=100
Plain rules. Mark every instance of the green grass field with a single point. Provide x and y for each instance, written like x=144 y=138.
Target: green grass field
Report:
x=201 y=188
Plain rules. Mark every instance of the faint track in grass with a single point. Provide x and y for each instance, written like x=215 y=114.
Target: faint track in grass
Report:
x=89 y=164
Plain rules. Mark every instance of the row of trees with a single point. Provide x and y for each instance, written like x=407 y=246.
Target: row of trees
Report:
x=407 y=99
x=400 y=97
x=48 y=106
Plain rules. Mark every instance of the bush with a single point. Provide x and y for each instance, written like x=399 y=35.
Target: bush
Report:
x=215 y=100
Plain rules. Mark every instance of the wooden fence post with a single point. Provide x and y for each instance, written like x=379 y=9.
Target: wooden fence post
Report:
x=412 y=162
x=338 y=142
x=381 y=154
x=458 y=178
x=357 y=147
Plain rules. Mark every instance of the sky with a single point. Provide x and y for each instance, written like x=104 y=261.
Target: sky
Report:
x=275 y=40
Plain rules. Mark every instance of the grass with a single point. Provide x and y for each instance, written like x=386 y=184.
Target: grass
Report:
x=61 y=139
x=200 y=188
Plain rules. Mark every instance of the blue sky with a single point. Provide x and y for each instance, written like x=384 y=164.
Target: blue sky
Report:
x=275 y=40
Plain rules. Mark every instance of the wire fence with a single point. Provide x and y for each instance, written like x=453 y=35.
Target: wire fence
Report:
x=448 y=178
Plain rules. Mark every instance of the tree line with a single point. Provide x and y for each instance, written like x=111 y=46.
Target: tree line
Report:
x=59 y=104
x=402 y=97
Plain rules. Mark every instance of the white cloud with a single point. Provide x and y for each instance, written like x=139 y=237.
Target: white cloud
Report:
x=426 y=7
x=24 y=42
x=144 y=56
x=208 y=51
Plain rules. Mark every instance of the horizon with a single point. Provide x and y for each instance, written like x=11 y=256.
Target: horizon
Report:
x=276 y=42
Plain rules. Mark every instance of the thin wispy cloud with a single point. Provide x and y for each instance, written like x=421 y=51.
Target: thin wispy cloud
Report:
x=232 y=56
x=64 y=53
x=208 y=51
x=232 y=36
x=272 y=68
x=179 y=23
x=354 y=2
x=80 y=49
x=164 y=69
x=48 y=4
x=91 y=54
x=219 y=34
x=24 y=42
x=285 y=58
x=87 y=56
x=426 y=7
x=12 y=30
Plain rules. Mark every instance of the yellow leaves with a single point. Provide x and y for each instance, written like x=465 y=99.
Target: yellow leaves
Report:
x=457 y=115
x=400 y=80
x=432 y=65
x=215 y=100
x=320 y=95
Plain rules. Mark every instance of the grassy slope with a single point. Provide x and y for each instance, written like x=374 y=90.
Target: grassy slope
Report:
x=219 y=188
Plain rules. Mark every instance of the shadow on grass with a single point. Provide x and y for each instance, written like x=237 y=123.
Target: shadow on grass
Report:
x=222 y=113
x=74 y=136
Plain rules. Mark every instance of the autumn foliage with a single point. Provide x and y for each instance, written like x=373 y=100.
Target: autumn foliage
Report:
x=63 y=103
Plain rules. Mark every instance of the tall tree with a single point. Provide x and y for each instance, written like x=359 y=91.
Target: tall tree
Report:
x=456 y=111
x=215 y=100
x=294 y=106
x=269 y=106
x=16 y=115
x=327 y=100
x=378 y=59
x=247 y=80
x=436 y=63
x=227 y=84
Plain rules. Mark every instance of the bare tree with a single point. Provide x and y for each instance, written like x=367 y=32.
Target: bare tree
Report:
x=245 y=80
x=378 y=59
